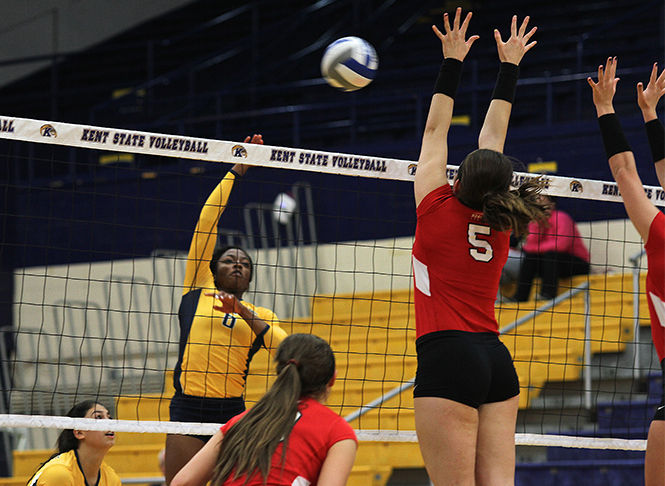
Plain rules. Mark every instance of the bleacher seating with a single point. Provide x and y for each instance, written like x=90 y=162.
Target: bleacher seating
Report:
x=373 y=336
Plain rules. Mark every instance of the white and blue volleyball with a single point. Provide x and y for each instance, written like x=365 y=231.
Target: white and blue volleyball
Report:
x=349 y=63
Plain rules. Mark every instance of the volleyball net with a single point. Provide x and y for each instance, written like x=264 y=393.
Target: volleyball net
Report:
x=98 y=223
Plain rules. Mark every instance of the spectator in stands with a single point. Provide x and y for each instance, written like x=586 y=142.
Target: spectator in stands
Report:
x=466 y=391
x=511 y=270
x=80 y=457
x=647 y=219
x=553 y=250
x=215 y=347
x=289 y=437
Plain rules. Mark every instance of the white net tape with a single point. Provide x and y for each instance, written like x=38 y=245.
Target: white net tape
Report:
x=147 y=426
x=121 y=140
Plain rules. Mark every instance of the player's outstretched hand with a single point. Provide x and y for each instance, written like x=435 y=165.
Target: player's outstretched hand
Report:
x=517 y=44
x=604 y=89
x=225 y=302
x=453 y=42
x=241 y=169
x=648 y=98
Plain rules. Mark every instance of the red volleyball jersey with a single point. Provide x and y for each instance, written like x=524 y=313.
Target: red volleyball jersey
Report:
x=316 y=430
x=655 y=287
x=457 y=263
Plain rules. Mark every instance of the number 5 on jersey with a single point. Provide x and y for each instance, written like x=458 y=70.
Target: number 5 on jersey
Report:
x=480 y=250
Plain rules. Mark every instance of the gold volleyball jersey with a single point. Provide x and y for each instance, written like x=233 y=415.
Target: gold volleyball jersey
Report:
x=65 y=470
x=215 y=348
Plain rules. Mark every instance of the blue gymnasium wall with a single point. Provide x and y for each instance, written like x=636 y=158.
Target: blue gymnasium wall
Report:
x=58 y=210
x=117 y=214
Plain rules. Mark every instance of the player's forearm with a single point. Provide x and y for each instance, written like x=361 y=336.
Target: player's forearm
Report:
x=495 y=126
x=205 y=234
x=493 y=132
x=257 y=324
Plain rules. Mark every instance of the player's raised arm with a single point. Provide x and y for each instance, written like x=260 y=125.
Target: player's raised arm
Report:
x=204 y=239
x=647 y=99
x=493 y=133
x=431 y=172
x=619 y=154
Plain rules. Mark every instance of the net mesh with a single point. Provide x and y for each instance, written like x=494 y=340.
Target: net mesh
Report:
x=100 y=254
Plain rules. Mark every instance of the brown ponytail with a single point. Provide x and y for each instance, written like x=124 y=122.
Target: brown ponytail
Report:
x=484 y=184
x=305 y=366
x=514 y=209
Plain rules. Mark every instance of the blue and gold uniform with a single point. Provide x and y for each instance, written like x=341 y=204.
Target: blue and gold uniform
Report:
x=65 y=470
x=215 y=348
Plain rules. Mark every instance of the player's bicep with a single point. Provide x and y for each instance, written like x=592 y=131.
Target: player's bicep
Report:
x=338 y=463
x=640 y=209
x=430 y=175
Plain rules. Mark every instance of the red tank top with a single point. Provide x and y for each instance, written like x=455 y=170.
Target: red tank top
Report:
x=655 y=287
x=457 y=263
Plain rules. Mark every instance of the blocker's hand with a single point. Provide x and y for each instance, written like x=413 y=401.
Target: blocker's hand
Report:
x=648 y=98
x=604 y=89
x=453 y=43
x=517 y=44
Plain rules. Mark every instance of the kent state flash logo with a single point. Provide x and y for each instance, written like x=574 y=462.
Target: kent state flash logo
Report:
x=239 y=151
x=576 y=186
x=48 y=131
x=412 y=169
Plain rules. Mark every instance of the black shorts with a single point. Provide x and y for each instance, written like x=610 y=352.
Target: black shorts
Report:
x=660 y=411
x=188 y=408
x=466 y=367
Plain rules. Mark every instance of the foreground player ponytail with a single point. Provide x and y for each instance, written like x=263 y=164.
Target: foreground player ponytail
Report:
x=305 y=366
x=484 y=185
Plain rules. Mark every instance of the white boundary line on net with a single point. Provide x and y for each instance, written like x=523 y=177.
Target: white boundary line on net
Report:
x=120 y=140
x=46 y=421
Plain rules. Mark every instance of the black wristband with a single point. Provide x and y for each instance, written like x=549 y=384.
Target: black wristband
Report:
x=238 y=176
x=656 y=137
x=449 y=77
x=506 y=82
x=613 y=137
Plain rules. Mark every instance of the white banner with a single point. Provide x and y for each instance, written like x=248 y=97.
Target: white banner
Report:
x=119 y=140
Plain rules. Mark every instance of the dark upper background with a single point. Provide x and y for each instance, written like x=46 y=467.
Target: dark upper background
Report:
x=225 y=69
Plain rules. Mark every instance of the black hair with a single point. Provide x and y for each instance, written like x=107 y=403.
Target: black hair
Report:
x=219 y=251
x=66 y=440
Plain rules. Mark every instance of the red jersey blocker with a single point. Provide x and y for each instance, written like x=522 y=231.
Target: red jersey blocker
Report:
x=316 y=430
x=457 y=262
x=655 y=287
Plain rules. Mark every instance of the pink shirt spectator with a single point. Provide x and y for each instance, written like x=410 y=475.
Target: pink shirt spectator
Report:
x=560 y=235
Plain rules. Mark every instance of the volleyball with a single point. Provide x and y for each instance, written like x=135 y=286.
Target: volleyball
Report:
x=349 y=63
x=283 y=208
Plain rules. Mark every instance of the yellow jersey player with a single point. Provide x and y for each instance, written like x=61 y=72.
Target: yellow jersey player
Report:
x=219 y=332
x=80 y=457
